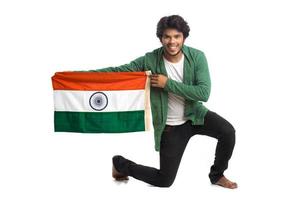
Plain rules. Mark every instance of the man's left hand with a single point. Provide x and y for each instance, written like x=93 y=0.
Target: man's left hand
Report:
x=158 y=80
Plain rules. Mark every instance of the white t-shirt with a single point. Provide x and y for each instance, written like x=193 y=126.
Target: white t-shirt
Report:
x=176 y=103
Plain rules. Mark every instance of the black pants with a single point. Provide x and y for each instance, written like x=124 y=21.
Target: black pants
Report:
x=173 y=142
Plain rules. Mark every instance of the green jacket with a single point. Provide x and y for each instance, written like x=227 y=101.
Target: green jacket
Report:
x=195 y=88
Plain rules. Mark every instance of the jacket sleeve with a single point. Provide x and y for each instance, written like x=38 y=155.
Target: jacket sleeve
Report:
x=200 y=91
x=134 y=66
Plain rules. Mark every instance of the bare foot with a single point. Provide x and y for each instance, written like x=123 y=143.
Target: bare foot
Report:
x=117 y=175
x=226 y=183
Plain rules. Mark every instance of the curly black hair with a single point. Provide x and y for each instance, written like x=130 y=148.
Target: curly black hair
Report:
x=173 y=21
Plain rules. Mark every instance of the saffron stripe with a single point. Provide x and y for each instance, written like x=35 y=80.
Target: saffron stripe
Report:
x=99 y=80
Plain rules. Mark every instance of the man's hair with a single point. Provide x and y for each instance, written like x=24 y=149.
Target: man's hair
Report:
x=173 y=21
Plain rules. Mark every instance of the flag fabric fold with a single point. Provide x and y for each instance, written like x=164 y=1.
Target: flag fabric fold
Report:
x=102 y=102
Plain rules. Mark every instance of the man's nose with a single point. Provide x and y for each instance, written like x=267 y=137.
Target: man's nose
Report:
x=172 y=40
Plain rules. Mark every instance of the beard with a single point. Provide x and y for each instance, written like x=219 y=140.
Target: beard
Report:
x=170 y=54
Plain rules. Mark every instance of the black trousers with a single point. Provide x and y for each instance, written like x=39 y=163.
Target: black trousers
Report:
x=173 y=142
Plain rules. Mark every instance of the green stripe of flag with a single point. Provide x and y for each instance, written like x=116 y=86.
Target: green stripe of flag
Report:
x=99 y=122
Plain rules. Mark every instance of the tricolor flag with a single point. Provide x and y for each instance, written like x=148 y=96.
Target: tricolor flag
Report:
x=102 y=102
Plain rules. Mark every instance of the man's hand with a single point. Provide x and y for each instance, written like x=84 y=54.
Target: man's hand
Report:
x=158 y=80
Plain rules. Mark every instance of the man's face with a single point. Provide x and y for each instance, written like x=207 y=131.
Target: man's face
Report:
x=172 y=41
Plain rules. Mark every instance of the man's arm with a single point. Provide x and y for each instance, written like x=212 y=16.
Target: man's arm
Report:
x=134 y=66
x=198 y=92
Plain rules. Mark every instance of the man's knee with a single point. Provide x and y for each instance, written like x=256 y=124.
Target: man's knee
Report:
x=228 y=134
x=166 y=181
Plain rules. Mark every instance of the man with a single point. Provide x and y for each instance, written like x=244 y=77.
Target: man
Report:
x=180 y=82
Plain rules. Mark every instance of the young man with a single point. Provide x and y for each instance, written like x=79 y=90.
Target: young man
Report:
x=180 y=82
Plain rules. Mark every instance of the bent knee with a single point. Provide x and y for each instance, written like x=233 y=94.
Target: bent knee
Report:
x=166 y=181
x=228 y=133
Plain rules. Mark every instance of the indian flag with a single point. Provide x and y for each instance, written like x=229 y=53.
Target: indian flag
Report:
x=102 y=102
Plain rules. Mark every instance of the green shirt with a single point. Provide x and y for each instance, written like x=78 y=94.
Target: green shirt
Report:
x=195 y=88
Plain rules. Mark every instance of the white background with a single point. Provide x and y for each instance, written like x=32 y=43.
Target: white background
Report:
x=249 y=48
